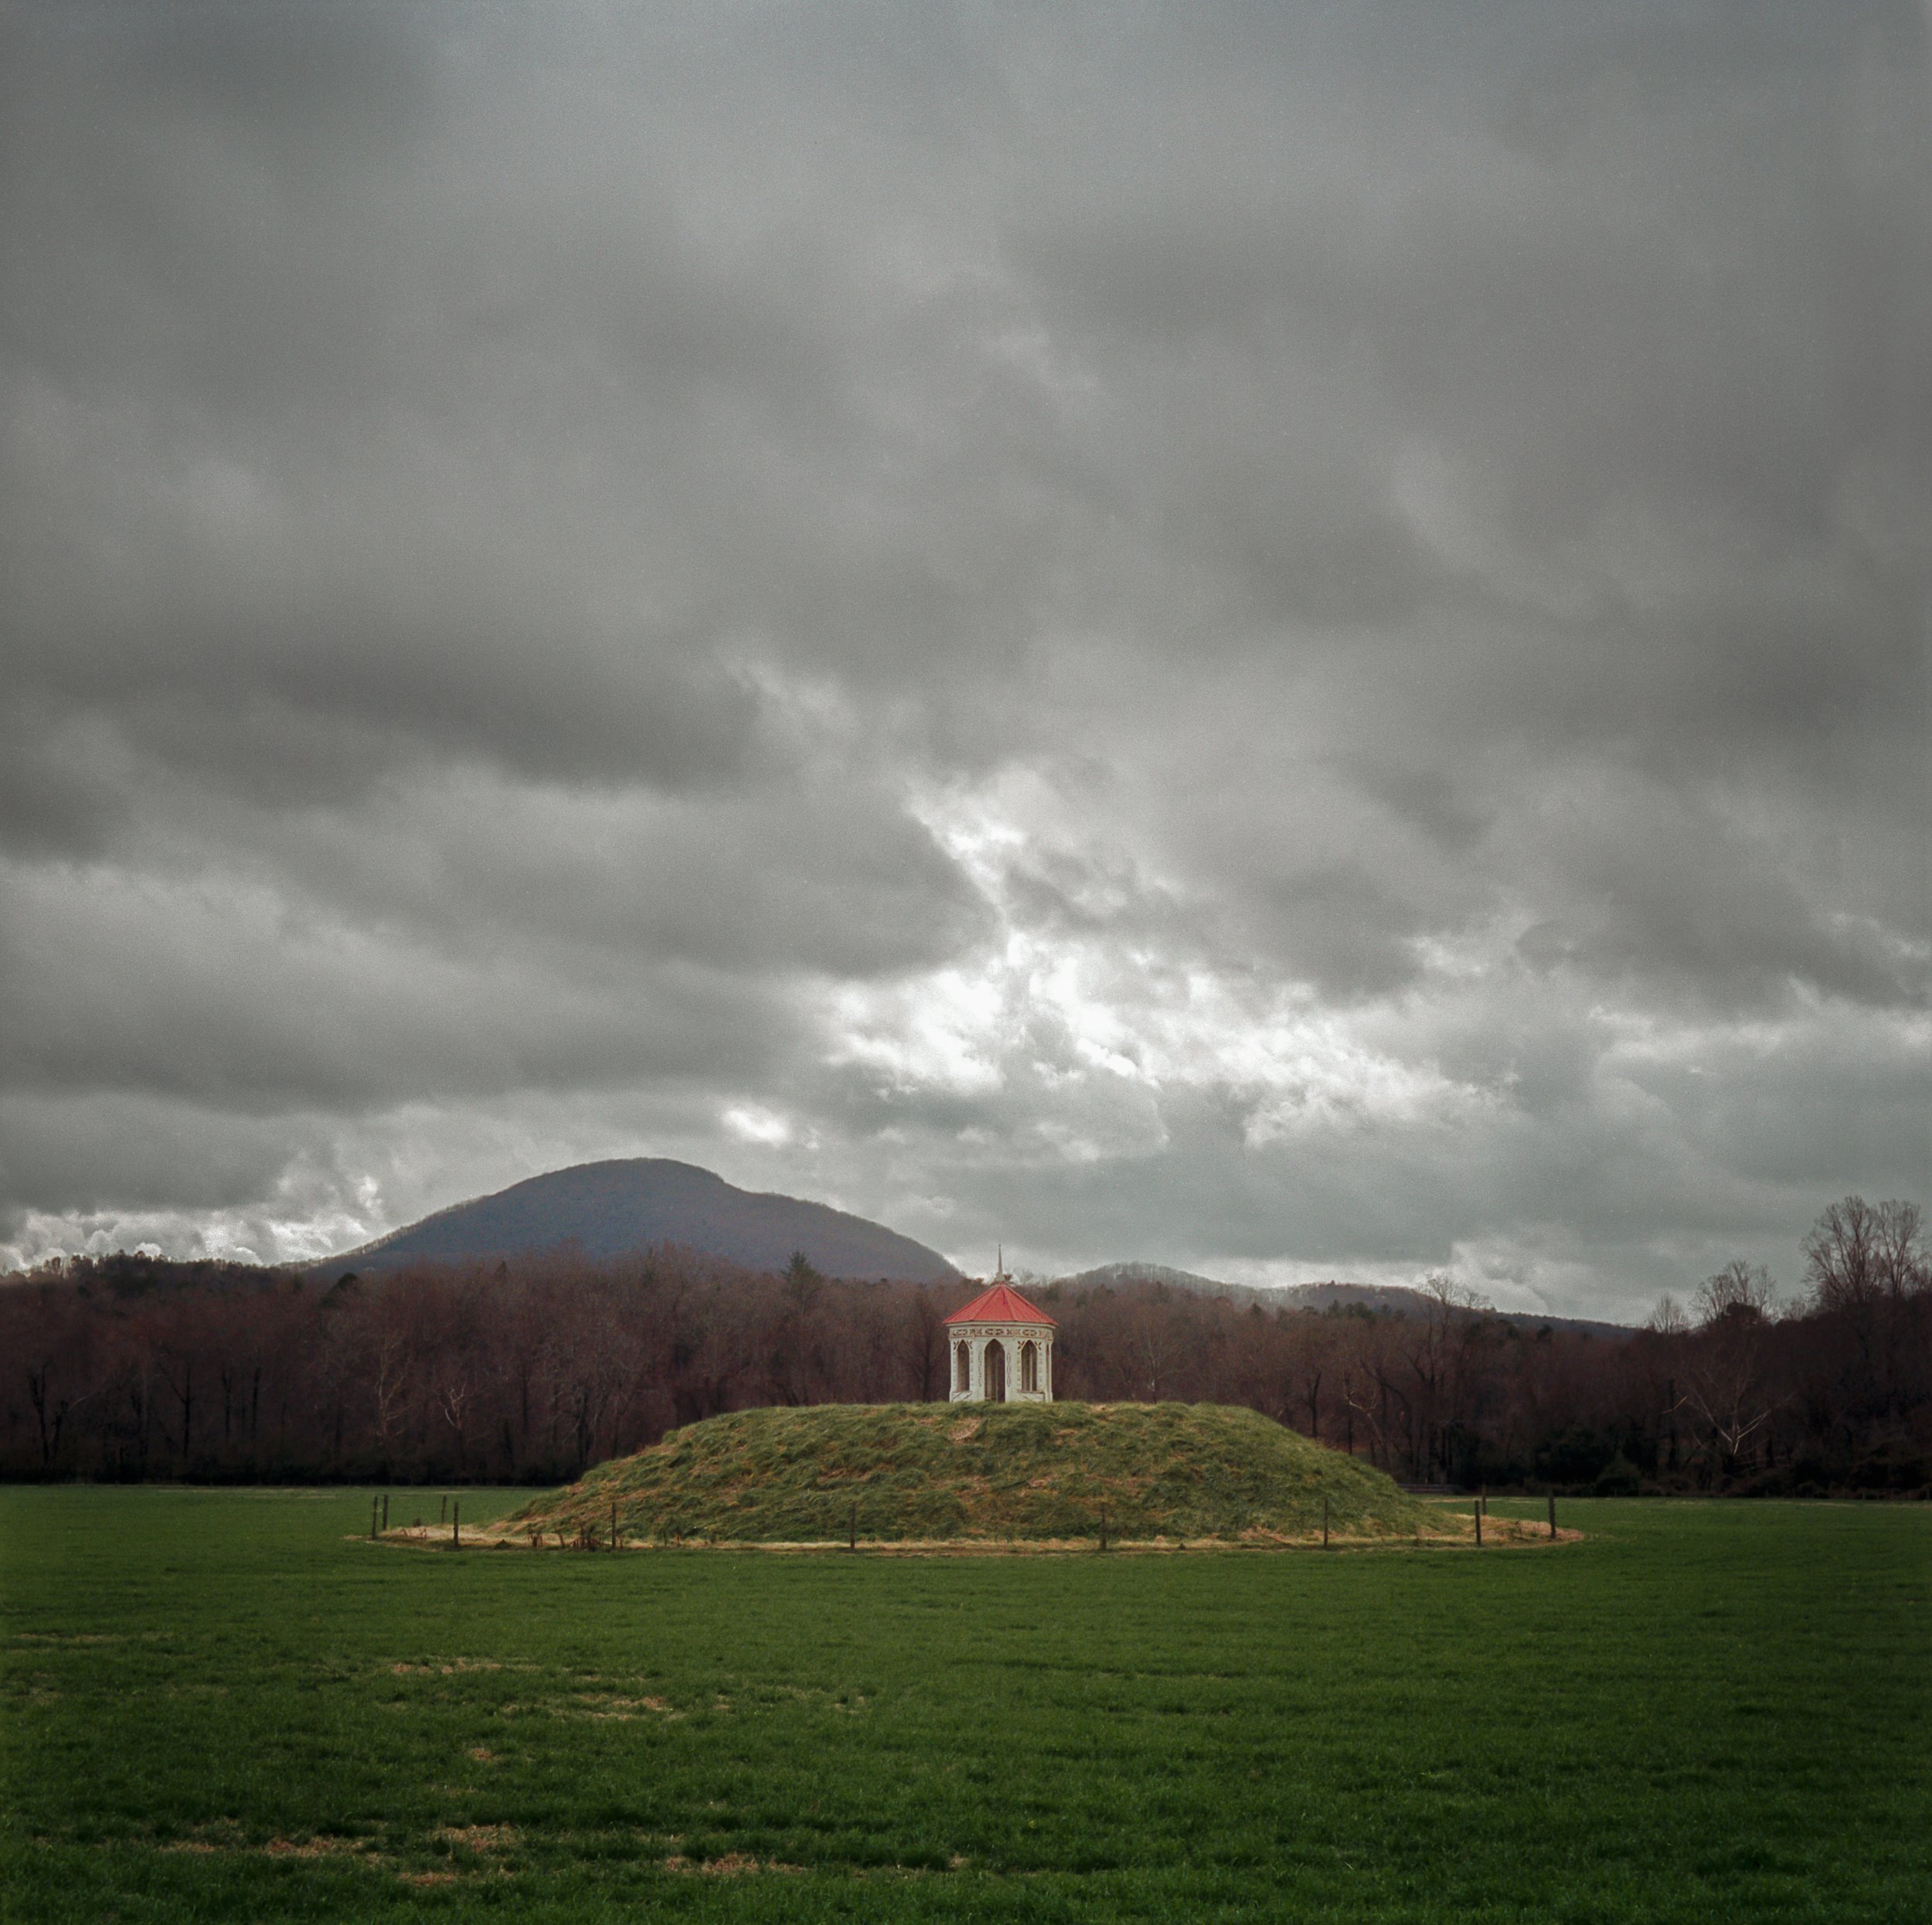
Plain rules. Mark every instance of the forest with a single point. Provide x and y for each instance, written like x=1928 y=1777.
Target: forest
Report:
x=135 y=1368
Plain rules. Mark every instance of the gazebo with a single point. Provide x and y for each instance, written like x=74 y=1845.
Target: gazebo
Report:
x=1002 y=1348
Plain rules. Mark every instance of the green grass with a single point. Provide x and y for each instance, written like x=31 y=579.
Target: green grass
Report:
x=1004 y=1472
x=217 y=1706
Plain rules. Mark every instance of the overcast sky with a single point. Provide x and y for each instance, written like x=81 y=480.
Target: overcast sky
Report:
x=1288 y=642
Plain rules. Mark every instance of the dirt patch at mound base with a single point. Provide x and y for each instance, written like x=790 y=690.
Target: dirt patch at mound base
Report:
x=1498 y=1534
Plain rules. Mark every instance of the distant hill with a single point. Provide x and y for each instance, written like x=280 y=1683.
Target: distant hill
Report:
x=1396 y=1299
x=1114 y=1276
x=615 y=1209
x=1401 y=1301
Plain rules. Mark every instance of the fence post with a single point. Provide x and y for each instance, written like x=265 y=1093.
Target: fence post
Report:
x=613 y=1524
x=1478 y=1523
x=1324 y=1523
x=456 y=1522
x=385 y=1510
x=442 y=1508
x=373 y=1512
x=851 y=1527
x=1103 y=1527
x=1552 y=1516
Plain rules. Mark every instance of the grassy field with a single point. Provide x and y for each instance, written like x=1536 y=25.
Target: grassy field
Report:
x=920 y=1472
x=217 y=1707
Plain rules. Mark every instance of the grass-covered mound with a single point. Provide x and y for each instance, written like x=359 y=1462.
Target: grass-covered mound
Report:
x=1001 y=1473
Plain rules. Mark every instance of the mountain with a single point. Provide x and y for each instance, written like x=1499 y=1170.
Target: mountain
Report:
x=1118 y=1276
x=1396 y=1300
x=616 y=1209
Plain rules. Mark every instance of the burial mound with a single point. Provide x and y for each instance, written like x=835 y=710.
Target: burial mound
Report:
x=938 y=1473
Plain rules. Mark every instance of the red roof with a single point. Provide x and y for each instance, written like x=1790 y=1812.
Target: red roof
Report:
x=1002 y=1305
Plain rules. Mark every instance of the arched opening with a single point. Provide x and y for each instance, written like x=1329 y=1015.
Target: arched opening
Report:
x=995 y=1372
x=962 y=1368
x=1029 y=1367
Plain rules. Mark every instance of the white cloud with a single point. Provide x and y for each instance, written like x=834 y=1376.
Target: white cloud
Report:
x=751 y=1123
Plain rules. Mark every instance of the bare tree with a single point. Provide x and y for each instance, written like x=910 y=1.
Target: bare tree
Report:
x=1152 y=1335
x=1899 y=1252
x=1737 y=1290
x=923 y=1350
x=454 y=1396
x=1725 y=1382
x=392 y=1383
x=1842 y=1262
x=1667 y=1319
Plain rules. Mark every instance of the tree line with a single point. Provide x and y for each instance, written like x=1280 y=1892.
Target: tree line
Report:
x=135 y=1367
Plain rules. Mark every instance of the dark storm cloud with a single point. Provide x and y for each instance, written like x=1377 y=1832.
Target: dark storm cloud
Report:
x=1260 y=637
